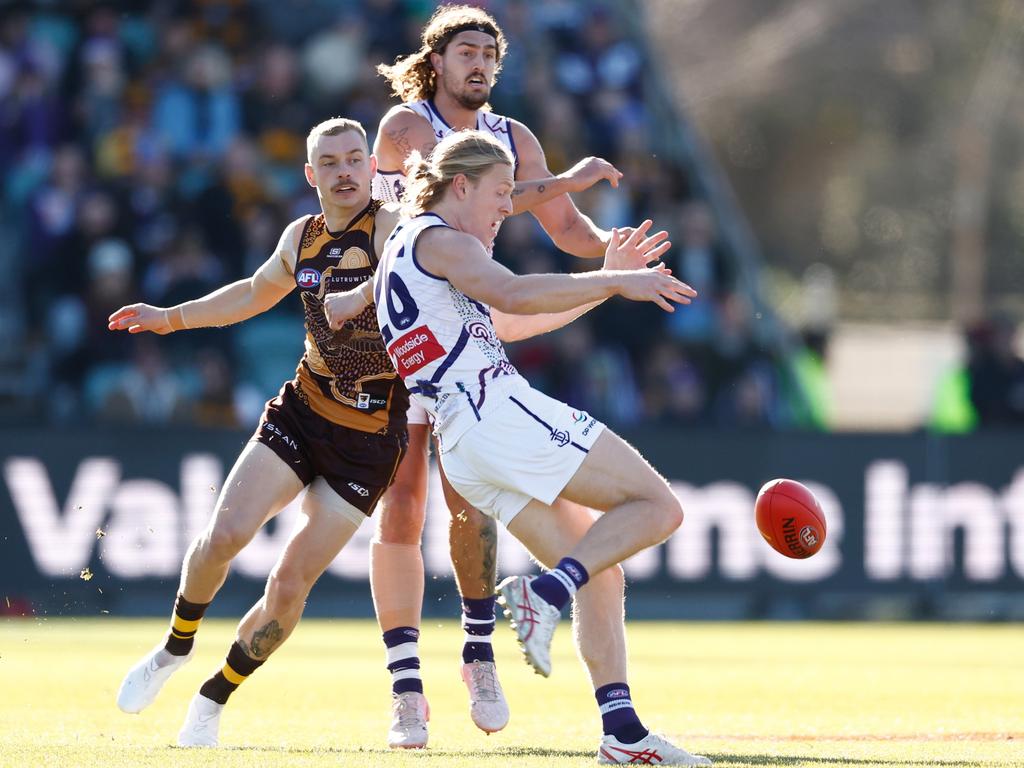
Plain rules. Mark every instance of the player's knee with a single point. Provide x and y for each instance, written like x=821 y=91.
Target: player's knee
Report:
x=401 y=516
x=668 y=512
x=615 y=578
x=286 y=590
x=224 y=541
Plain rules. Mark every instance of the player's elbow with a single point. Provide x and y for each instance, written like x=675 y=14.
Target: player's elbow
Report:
x=507 y=327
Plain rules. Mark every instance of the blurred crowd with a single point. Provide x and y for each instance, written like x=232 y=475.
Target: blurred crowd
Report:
x=155 y=154
x=986 y=389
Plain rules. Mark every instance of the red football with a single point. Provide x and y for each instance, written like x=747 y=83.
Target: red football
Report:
x=790 y=518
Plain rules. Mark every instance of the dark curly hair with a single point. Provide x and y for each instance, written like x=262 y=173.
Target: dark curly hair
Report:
x=412 y=78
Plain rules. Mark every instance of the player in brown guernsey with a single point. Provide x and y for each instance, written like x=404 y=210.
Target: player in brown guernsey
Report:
x=338 y=429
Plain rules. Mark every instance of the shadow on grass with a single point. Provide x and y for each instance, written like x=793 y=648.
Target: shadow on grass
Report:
x=803 y=759
x=499 y=752
x=521 y=752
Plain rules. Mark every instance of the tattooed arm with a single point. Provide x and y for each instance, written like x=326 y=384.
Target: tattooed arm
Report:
x=401 y=131
x=569 y=229
x=586 y=173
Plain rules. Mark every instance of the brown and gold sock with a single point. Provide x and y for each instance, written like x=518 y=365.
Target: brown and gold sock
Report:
x=237 y=667
x=184 y=625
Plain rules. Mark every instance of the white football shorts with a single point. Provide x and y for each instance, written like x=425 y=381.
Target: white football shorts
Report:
x=527 y=448
x=417 y=414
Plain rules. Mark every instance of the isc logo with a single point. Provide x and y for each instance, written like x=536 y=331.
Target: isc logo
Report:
x=307 y=278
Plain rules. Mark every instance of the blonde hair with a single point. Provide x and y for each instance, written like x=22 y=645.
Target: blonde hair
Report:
x=471 y=153
x=333 y=127
x=413 y=78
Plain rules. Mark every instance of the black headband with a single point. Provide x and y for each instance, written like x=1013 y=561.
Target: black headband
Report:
x=469 y=26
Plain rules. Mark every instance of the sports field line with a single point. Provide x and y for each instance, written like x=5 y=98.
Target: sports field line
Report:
x=965 y=736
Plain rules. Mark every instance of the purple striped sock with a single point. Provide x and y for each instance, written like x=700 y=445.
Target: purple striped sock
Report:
x=403 y=656
x=478 y=622
x=617 y=714
x=558 y=585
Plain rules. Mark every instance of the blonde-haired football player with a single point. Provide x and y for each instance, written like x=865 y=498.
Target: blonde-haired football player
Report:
x=444 y=307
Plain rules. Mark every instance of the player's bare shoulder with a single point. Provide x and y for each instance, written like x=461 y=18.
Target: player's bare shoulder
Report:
x=440 y=246
x=292 y=233
x=401 y=131
x=287 y=252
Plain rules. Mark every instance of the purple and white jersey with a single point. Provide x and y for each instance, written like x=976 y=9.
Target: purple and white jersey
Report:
x=389 y=185
x=442 y=342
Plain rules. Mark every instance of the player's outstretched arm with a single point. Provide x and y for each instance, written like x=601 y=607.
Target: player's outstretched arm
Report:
x=569 y=229
x=462 y=260
x=342 y=306
x=585 y=174
x=233 y=303
x=632 y=251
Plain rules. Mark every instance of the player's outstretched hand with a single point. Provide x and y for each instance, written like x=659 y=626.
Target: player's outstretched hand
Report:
x=631 y=248
x=655 y=284
x=136 y=318
x=339 y=307
x=590 y=170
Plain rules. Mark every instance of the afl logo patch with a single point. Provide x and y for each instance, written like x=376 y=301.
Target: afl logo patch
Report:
x=307 y=278
x=809 y=536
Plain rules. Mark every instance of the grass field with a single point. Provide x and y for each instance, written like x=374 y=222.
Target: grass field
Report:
x=744 y=694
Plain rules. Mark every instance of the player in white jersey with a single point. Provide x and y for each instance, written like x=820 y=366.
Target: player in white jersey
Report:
x=445 y=87
x=444 y=305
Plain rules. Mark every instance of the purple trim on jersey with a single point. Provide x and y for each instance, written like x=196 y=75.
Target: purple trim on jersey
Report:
x=433 y=108
x=416 y=261
x=452 y=356
x=436 y=216
x=544 y=424
x=512 y=144
x=390 y=173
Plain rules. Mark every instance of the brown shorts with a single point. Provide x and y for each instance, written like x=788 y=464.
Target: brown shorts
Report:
x=358 y=465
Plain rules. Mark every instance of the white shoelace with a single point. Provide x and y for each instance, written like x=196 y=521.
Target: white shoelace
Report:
x=408 y=716
x=485 y=682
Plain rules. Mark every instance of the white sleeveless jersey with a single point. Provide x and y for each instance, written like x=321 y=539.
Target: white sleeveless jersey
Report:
x=389 y=185
x=441 y=342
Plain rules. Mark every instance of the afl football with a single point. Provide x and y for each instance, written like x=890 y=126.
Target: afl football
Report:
x=790 y=518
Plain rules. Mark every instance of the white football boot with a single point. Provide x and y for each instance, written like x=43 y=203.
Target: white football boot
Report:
x=202 y=723
x=533 y=619
x=144 y=681
x=487 y=705
x=409 y=716
x=650 y=750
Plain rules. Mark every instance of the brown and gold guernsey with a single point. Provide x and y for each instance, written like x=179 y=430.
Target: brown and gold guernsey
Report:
x=345 y=376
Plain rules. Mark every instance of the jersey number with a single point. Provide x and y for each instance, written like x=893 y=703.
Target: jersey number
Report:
x=402 y=309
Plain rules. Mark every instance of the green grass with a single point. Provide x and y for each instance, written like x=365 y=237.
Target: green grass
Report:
x=745 y=694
